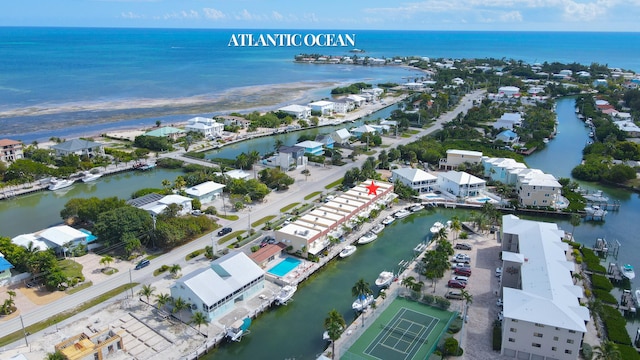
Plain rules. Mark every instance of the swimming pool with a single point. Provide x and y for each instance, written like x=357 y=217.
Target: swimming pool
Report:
x=284 y=267
x=483 y=200
x=431 y=196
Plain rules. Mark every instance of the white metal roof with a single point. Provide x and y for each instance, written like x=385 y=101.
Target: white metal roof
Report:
x=414 y=175
x=461 y=178
x=464 y=152
x=204 y=188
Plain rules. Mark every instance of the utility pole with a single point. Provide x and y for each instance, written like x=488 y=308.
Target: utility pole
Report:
x=131 y=283
x=24 y=331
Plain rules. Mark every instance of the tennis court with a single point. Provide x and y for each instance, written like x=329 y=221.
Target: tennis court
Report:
x=406 y=330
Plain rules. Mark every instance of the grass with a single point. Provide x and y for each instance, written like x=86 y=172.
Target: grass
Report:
x=37 y=327
x=333 y=184
x=109 y=271
x=79 y=287
x=262 y=221
x=312 y=195
x=289 y=207
x=70 y=268
x=405 y=136
x=160 y=270
x=413 y=132
x=228 y=217
x=193 y=254
x=228 y=237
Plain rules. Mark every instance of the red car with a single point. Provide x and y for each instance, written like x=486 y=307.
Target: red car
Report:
x=462 y=271
x=456 y=284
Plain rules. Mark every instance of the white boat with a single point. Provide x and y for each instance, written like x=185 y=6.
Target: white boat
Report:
x=628 y=272
x=285 y=294
x=88 y=176
x=545 y=140
x=362 y=302
x=416 y=207
x=347 y=251
x=367 y=238
x=384 y=279
x=437 y=226
x=596 y=197
x=388 y=220
x=238 y=329
x=57 y=184
x=402 y=214
x=637 y=297
x=377 y=229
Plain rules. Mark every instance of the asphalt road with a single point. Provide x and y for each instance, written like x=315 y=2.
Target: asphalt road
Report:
x=275 y=201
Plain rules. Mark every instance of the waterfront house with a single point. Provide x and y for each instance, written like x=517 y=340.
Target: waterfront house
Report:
x=509 y=91
x=508 y=137
x=323 y=107
x=238 y=174
x=419 y=180
x=287 y=158
x=460 y=184
x=457 y=157
x=542 y=314
x=326 y=140
x=341 y=136
x=168 y=132
x=500 y=169
x=230 y=120
x=214 y=290
x=79 y=147
x=508 y=121
x=297 y=111
x=311 y=147
x=97 y=346
x=363 y=129
x=205 y=192
x=209 y=128
x=59 y=238
x=536 y=188
x=10 y=150
x=5 y=268
x=357 y=99
x=343 y=105
x=155 y=204
x=376 y=92
x=629 y=127
x=266 y=254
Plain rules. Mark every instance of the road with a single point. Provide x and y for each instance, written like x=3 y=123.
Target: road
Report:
x=275 y=201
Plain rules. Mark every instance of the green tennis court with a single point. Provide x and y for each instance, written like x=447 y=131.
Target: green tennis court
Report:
x=406 y=330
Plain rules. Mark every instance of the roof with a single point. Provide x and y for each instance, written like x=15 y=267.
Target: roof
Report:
x=226 y=275
x=204 y=188
x=364 y=129
x=144 y=200
x=4 y=264
x=343 y=134
x=460 y=177
x=310 y=144
x=321 y=103
x=75 y=145
x=24 y=240
x=295 y=108
x=266 y=252
x=164 y=131
x=515 y=117
x=62 y=234
x=237 y=174
x=414 y=175
x=7 y=142
x=290 y=149
x=174 y=199
x=464 y=152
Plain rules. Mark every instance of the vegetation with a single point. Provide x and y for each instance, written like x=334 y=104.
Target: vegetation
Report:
x=601 y=282
x=351 y=89
x=289 y=207
x=335 y=326
x=592 y=261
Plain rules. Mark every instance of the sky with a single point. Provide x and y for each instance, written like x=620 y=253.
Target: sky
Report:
x=463 y=15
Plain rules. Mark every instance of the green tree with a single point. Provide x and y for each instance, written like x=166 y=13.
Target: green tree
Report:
x=361 y=288
x=607 y=350
x=175 y=270
x=162 y=300
x=106 y=260
x=112 y=225
x=468 y=298
x=179 y=304
x=57 y=355
x=575 y=221
x=198 y=319
x=335 y=326
x=450 y=347
x=456 y=226
x=147 y=291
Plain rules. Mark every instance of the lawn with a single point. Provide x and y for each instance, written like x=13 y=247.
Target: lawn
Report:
x=262 y=221
x=289 y=207
x=312 y=195
x=228 y=237
x=333 y=184
x=70 y=268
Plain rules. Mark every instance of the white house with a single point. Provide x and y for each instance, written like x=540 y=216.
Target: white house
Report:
x=457 y=157
x=363 y=129
x=287 y=158
x=341 y=136
x=499 y=169
x=357 y=99
x=238 y=174
x=324 y=107
x=343 y=105
x=543 y=318
x=312 y=147
x=57 y=238
x=209 y=128
x=155 y=204
x=538 y=189
x=79 y=147
x=460 y=183
x=629 y=127
x=508 y=121
x=419 y=180
x=205 y=192
x=214 y=290
x=509 y=91
x=297 y=111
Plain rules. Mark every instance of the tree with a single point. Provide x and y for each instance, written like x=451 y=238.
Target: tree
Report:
x=277 y=144
x=575 y=221
x=607 y=350
x=361 y=288
x=456 y=225
x=468 y=298
x=162 y=300
x=147 y=291
x=112 y=225
x=175 y=270
x=178 y=305
x=106 y=260
x=450 y=347
x=57 y=355
x=335 y=326
x=198 y=319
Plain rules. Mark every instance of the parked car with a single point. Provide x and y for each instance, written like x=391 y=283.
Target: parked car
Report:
x=454 y=295
x=464 y=279
x=142 y=263
x=224 y=231
x=498 y=271
x=460 y=265
x=501 y=316
x=463 y=246
x=461 y=258
x=462 y=271
x=267 y=240
x=499 y=303
x=196 y=213
x=456 y=284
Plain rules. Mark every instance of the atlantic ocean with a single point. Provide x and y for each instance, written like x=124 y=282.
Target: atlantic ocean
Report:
x=68 y=82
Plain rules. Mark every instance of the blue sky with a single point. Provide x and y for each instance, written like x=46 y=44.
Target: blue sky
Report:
x=509 y=15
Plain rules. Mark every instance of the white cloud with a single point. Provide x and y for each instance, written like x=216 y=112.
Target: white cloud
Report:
x=511 y=16
x=214 y=14
x=131 y=15
x=276 y=16
x=247 y=16
x=184 y=14
x=310 y=17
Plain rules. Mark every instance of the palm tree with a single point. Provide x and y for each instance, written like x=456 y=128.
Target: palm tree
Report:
x=607 y=350
x=468 y=298
x=55 y=356
x=198 y=319
x=277 y=144
x=456 y=225
x=575 y=221
x=361 y=289
x=179 y=183
x=335 y=326
x=146 y=291
x=166 y=184
x=106 y=260
x=162 y=300
x=409 y=282
x=242 y=161
x=178 y=305
x=174 y=270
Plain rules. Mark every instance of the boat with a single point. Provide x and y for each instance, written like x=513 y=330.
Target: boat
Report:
x=437 y=226
x=286 y=293
x=147 y=166
x=402 y=213
x=637 y=293
x=88 y=176
x=416 y=207
x=384 y=279
x=388 y=220
x=347 y=251
x=238 y=329
x=367 y=238
x=362 y=302
x=545 y=140
x=628 y=272
x=596 y=197
x=57 y=184
x=377 y=229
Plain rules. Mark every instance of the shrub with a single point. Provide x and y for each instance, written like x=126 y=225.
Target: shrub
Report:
x=593 y=261
x=194 y=254
x=601 y=282
x=497 y=336
x=578 y=259
x=463 y=235
x=587 y=351
x=428 y=299
x=255 y=248
x=455 y=327
x=587 y=293
x=604 y=296
x=442 y=302
x=615 y=325
x=628 y=352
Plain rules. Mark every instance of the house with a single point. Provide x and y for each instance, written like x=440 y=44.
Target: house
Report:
x=60 y=238
x=458 y=157
x=341 y=136
x=538 y=189
x=508 y=121
x=419 y=180
x=10 y=150
x=214 y=290
x=238 y=174
x=508 y=137
x=311 y=147
x=205 y=192
x=95 y=346
x=326 y=140
x=323 y=107
x=343 y=105
x=629 y=127
x=373 y=93
x=460 y=183
x=543 y=317
x=266 y=254
x=230 y=120
x=288 y=158
x=363 y=129
x=457 y=81
x=155 y=204
x=357 y=99
x=499 y=169
x=168 y=132
x=509 y=91
x=79 y=147
x=209 y=128
x=5 y=268
x=297 y=111
x=600 y=82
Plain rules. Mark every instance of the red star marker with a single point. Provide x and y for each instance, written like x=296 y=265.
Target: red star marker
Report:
x=373 y=188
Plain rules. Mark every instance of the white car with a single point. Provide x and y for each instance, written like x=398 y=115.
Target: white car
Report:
x=500 y=316
x=498 y=271
x=464 y=279
x=462 y=258
x=460 y=265
x=499 y=303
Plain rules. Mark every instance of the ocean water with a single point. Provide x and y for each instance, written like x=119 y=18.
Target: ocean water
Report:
x=78 y=81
